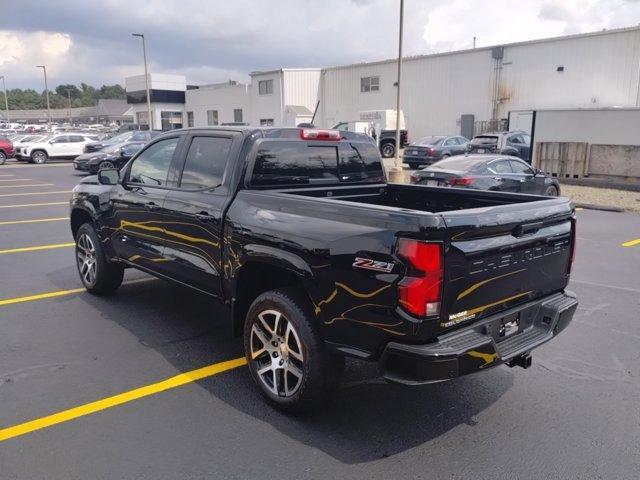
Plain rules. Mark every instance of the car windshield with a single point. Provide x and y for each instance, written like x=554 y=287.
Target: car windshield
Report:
x=429 y=141
x=123 y=137
x=460 y=163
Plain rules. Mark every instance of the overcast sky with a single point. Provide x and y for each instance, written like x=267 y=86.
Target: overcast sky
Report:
x=212 y=41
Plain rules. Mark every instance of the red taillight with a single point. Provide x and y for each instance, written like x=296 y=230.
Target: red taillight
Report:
x=414 y=178
x=465 y=181
x=315 y=134
x=572 y=257
x=421 y=290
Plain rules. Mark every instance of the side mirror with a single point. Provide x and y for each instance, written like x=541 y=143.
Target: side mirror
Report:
x=108 y=176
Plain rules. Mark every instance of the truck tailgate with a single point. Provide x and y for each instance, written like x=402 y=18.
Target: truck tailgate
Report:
x=497 y=257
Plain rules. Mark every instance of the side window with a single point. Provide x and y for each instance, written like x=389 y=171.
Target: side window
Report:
x=519 y=167
x=526 y=138
x=501 y=166
x=462 y=140
x=450 y=142
x=517 y=139
x=205 y=163
x=294 y=163
x=152 y=166
x=76 y=138
x=61 y=139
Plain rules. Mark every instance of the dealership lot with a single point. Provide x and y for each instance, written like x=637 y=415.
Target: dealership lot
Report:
x=574 y=414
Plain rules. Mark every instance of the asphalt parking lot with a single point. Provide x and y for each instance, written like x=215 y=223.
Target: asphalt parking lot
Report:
x=115 y=387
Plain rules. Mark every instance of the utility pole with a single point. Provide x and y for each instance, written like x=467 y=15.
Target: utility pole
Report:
x=46 y=89
x=69 y=98
x=146 y=78
x=6 y=102
x=397 y=174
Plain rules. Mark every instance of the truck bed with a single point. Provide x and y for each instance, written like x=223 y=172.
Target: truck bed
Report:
x=500 y=249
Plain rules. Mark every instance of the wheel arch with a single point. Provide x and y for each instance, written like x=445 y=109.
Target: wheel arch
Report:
x=79 y=216
x=264 y=269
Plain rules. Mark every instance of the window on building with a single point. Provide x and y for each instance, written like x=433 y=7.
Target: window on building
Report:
x=205 y=163
x=265 y=87
x=237 y=115
x=189 y=119
x=369 y=84
x=171 y=120
x=212 y=117
x=266 y=122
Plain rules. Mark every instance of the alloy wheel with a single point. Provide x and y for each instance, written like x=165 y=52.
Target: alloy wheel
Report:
x=86 y=258
x=39 y=157
x=276 y=353
x=106 y=164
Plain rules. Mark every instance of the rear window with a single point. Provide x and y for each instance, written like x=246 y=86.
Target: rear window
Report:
x=459 y=162
x=285 y=162
x=429 y=141
x=485 y=139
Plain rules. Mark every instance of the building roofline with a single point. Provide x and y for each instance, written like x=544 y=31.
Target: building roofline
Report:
x=489 y=47
x=282 y=70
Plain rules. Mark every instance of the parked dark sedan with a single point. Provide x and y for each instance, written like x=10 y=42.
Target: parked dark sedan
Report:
x=487 y=172
x=114 y=157
x=428 y=150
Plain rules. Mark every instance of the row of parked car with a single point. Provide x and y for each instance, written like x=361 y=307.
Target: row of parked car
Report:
x=428 y=150
x=90 y=151
x=491 y=161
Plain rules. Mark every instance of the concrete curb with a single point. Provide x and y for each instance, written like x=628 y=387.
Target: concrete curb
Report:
x=604 y=208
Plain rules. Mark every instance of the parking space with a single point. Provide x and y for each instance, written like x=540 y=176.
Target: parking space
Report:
x=112 y=368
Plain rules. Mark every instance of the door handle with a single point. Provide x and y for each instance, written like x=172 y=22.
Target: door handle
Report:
x=204 y=217
x=152 y=206
x=500 y=179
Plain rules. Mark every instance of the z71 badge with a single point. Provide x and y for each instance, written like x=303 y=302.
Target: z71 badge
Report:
x=376 y=265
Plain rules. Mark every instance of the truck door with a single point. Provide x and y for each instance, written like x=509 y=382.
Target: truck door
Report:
x=138 y=220
x=195 y=209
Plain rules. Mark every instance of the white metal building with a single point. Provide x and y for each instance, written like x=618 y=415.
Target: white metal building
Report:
x=216 y=104
x=167 y=94
x=600 y=69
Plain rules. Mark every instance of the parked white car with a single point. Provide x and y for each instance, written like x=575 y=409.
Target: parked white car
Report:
x=68 y=145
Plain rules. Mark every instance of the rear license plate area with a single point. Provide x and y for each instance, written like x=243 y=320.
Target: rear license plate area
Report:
x=505 y=327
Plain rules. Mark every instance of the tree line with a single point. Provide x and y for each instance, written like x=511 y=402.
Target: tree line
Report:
x=81 y=96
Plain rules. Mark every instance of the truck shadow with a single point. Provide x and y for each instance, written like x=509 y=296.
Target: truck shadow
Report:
x=366 y=420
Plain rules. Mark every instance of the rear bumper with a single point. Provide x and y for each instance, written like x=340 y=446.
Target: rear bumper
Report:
x=478 y=346
x=421 y=159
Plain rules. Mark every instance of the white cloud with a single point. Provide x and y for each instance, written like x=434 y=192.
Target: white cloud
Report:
x=214 y=41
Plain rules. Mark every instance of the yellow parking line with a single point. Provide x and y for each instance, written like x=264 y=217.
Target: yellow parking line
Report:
x=15 y=180
x=34 y=204
x=121 y=398
x=61 y=293
x=38 y=247
x=32 y=193
x=7 y=175
x=631 y=243
x=40 y=296
x=579 y=208
x=30 y=185
x=37 y=220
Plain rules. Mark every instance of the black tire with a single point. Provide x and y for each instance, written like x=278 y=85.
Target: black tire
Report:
x=445 y=156
x=320 y=372
x=413 y=166
x=39 y=157
x=106 y=277
x=387 y=150
x=3 y=158
x=551 y=191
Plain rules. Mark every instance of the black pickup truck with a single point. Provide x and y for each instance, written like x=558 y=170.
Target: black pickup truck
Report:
x=317 y=258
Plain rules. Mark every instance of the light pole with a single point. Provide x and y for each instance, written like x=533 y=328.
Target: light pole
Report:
x=397 y=174
x=146 y=78
x=69 y=98
x=46 y=89
x=6 y=102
